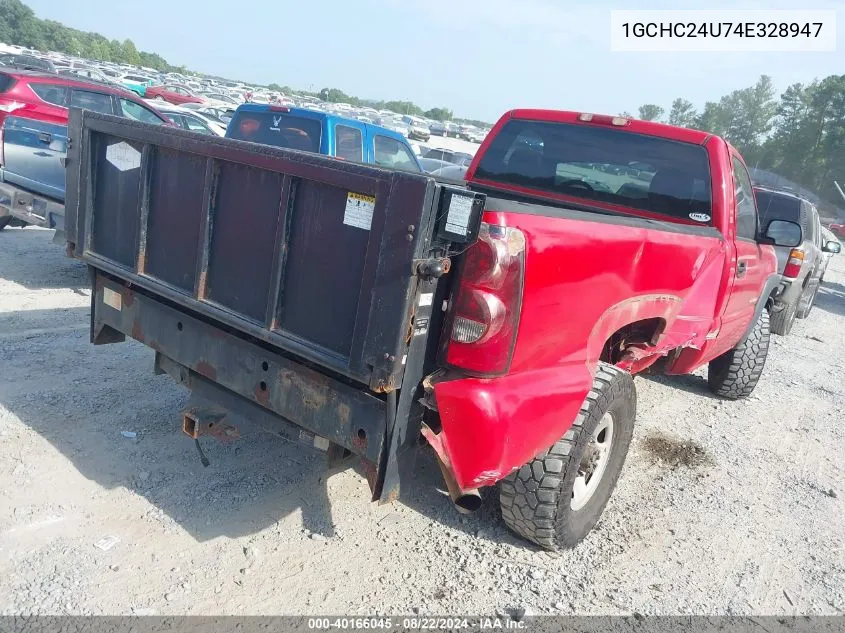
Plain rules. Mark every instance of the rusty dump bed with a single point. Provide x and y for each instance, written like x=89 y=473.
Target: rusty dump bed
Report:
x=291 y=281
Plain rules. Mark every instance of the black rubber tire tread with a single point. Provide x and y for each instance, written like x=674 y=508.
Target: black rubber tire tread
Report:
x=734 y=374
x=4 y=221
x=535 y=500
x=804 y=310
x=782 y=320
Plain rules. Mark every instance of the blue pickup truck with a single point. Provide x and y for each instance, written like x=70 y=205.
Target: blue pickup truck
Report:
x=322 y=133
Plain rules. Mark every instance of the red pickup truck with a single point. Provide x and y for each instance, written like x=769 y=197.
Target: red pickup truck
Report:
x=609 y=245
x=501 y=320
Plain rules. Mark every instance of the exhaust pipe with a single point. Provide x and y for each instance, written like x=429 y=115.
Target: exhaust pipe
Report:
x=466 y=501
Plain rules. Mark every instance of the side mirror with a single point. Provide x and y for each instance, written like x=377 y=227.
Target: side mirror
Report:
x=832 y=247
x=783 y=233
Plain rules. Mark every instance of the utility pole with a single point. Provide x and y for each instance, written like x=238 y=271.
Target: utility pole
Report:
x=839 y=189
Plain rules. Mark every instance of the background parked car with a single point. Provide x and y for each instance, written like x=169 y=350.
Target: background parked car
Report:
x=417 y=129
x=221 y=114
x=327 y=134
x=450 y=156
x=433 y=164
x=29 y=62
x=837 y=229
x=192 y=120
x=451 y=172
x=177 y=95
x=801 y=266
x=89 y=73
x=33 y=138
x=443 y=129
x=136 y=83
x=219 y=99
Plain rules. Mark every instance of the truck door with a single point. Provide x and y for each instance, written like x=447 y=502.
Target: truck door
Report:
x=749 y=274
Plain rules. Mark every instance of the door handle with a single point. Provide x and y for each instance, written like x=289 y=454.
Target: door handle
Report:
x=45 y=137
x=741 y=267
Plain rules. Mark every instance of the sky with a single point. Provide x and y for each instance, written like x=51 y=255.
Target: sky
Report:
x=476 y=57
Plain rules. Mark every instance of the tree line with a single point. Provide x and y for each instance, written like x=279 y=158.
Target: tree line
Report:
x=20 y=26
x=799 y=134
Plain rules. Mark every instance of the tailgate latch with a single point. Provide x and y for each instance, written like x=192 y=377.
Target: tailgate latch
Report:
x=433 y=268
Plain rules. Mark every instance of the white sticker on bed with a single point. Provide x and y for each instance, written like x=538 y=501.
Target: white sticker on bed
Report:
x=359 y=210
x=123 y=156
x=460 y=210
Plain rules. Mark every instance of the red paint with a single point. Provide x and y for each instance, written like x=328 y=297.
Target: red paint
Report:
x=583 y=281
x=837 y=229
x=171 y=96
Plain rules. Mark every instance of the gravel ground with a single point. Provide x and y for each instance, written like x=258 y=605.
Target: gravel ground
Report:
x=722 y=508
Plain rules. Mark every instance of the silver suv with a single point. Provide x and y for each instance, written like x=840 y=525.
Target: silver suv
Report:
x=801 y=266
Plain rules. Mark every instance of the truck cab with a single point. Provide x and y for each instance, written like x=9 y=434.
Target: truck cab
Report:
x=322 y=133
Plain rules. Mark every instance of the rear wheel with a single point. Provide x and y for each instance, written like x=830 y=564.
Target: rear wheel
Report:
x=805 y=305
x=782 y=320
x=558 y=497
x=735 y=373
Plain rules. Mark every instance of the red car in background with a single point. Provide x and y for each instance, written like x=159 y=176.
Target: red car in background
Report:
x=33 y=138
x=176 y=95
x=837 y=229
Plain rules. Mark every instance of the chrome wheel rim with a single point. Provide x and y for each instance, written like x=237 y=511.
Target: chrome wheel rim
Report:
x=593 y=462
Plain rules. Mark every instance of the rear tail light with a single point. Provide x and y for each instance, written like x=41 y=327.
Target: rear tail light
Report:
x=487 y=302
x=6 y=109
x=794 y=263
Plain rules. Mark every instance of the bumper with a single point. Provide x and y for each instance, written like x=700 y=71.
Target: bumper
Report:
x=419 y=136
x=491 y=427
x=199 y=354
x=31 y=207
x=790 y=293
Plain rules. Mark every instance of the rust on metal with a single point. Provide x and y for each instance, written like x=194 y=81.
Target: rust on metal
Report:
x=314 y=396
x=360 y=441
x=142 y=256
x=391 y=495
x=197 y=422
x=344 y=412
x=262 y=395
x=204 y=368
x=370 y=472
x=386 y=385
x=137 y=331
x=203 y=284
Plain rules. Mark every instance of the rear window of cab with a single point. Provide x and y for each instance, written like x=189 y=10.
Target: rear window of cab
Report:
x=609 y=165
x=277 y=129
